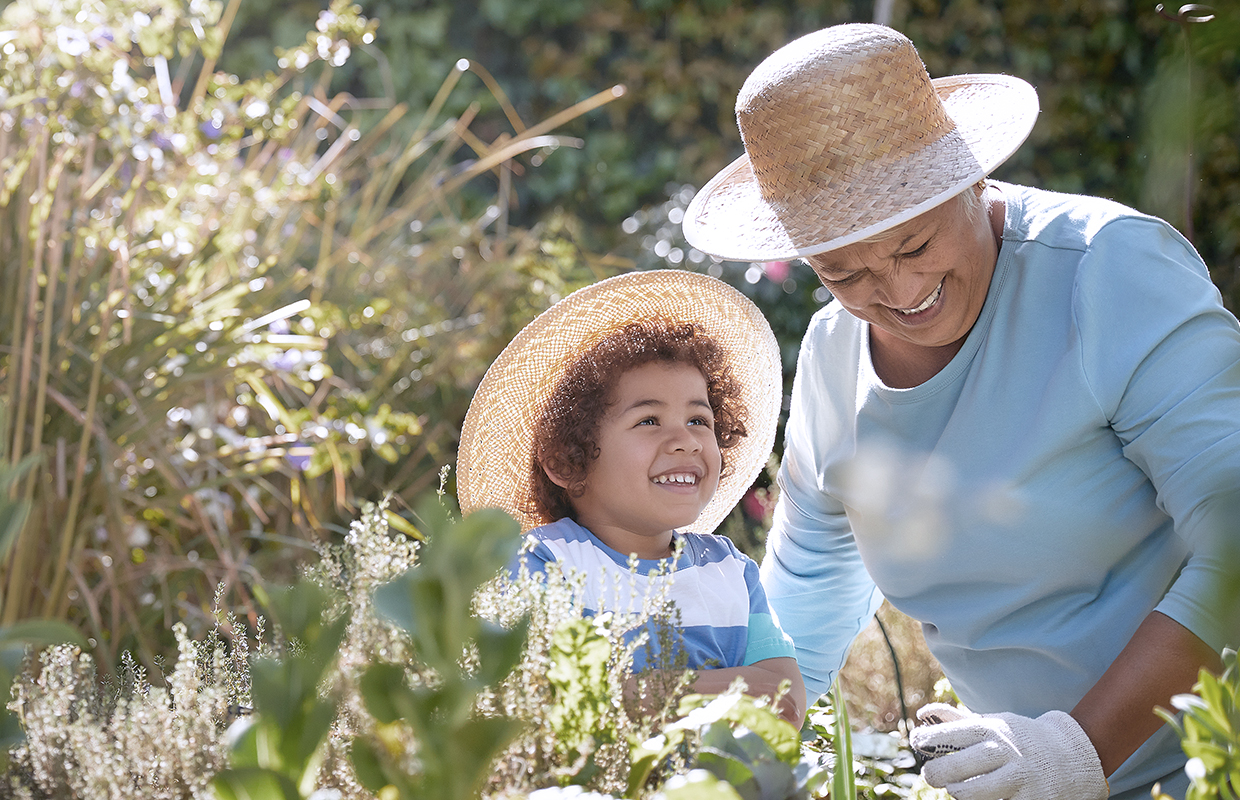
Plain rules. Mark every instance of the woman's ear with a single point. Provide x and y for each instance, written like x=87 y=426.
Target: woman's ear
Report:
x=554 y=478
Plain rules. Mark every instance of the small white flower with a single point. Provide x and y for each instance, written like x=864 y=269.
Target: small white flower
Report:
x=655 y=742
x=237 y=730
x=566 y=792
x=691 y=777
x=71 y=41
x=1195 y=769
x=326 y=20
x=707 y=715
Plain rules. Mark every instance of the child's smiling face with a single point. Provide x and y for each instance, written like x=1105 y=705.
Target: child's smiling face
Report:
x=658 y=463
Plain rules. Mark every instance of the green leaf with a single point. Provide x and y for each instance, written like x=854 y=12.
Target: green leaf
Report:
x=699 y=785
x=382 y=686
x=367 y=765
x=37 y=633
x=647 y=756
x=41 y=632
x=301 y=743
x=253 y=783
x=480 y=739
x=727 y=767
x=500 y=650
x=782 y=737
x=244 y=751
x=843 y=781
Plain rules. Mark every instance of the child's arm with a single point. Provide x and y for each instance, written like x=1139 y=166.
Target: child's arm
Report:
x=762 y=679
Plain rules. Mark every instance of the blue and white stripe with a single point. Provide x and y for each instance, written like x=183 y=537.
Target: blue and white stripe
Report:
x=724 y=617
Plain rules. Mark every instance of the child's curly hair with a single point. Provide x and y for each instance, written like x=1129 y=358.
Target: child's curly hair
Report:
x=566 y=433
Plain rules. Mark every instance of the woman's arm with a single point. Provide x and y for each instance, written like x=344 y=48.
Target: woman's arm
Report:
x=1162 y=659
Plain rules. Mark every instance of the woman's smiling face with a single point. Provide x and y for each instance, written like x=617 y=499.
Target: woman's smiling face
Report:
x=925 y=282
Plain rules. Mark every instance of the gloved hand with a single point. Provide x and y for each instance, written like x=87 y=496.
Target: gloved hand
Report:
x=1007 y=757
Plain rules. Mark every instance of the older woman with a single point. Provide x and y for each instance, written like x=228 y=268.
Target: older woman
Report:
x=1018 y=420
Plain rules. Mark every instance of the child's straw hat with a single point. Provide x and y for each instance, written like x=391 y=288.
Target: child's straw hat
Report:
x=496 y=450
x=847 y=136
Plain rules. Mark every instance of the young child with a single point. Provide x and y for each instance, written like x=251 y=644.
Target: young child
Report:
x=619 y=428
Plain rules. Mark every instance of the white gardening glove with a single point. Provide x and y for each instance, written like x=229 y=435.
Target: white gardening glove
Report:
x=1007 y=757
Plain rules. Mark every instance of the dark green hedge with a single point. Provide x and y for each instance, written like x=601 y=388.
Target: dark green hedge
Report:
x=1111 y=75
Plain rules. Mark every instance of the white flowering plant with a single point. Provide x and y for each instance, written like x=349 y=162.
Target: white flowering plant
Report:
x=1210 y=732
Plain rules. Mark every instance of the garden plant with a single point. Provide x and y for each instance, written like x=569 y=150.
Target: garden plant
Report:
x=238 y=306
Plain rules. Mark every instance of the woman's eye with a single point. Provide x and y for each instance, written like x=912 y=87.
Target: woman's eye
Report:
x=848 y=281
x=917 y=252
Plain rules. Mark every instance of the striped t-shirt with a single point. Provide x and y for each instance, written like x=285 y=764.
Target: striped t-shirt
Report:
x=724 y=617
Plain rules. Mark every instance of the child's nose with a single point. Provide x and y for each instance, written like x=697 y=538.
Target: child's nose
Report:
x=683 y=439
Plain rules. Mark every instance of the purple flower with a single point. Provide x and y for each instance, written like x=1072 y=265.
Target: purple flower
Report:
x=211 y=129
x=298 y=456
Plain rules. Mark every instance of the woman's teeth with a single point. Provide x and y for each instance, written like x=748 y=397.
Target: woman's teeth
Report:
x=929 y=301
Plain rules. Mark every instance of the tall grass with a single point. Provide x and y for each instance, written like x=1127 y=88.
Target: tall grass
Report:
x=235 y=307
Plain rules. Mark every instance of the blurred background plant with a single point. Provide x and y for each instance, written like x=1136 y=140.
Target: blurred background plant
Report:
x=1111 y=77
x=17 y=638
x=237 y=305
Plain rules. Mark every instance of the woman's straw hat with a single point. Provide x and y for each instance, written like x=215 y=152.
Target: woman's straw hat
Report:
x=494 y=457
x=847 y=136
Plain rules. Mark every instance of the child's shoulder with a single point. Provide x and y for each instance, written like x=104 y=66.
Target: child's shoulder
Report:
x=564 y=530
x=709 y=547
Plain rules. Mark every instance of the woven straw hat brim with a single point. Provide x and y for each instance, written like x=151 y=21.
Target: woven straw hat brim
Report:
x=494 y=457
x=730 y=219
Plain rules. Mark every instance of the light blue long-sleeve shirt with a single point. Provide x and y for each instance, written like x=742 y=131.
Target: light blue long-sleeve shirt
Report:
x=1067 y=473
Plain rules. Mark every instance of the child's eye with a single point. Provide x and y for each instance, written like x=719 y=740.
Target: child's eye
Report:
x=699 y=421
x=648 y=421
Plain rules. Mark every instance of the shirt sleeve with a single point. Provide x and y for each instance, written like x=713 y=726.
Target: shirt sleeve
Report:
x=534 y=555
x=813 y=575
x=1162 y=357
x=764 y=637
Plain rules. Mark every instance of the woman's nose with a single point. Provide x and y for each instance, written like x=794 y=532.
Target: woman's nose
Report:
x=898 y=289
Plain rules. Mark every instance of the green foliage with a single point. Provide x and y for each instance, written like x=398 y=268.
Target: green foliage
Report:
x=741 y=744
x=843 y=781
x=580 y=653
x=432 y=603
x=242 y=304
x=17 y=639
x=1095 y=64
x=1210 y=732
x=278 y=754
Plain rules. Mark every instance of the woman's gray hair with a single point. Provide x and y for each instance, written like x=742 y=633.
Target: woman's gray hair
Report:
x=970 y=203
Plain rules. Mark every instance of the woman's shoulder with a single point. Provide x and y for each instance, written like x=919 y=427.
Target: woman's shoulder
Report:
x=832 y=333
x=1072 y=221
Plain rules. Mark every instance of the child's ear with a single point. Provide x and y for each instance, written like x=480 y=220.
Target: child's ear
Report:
x=554 y=478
